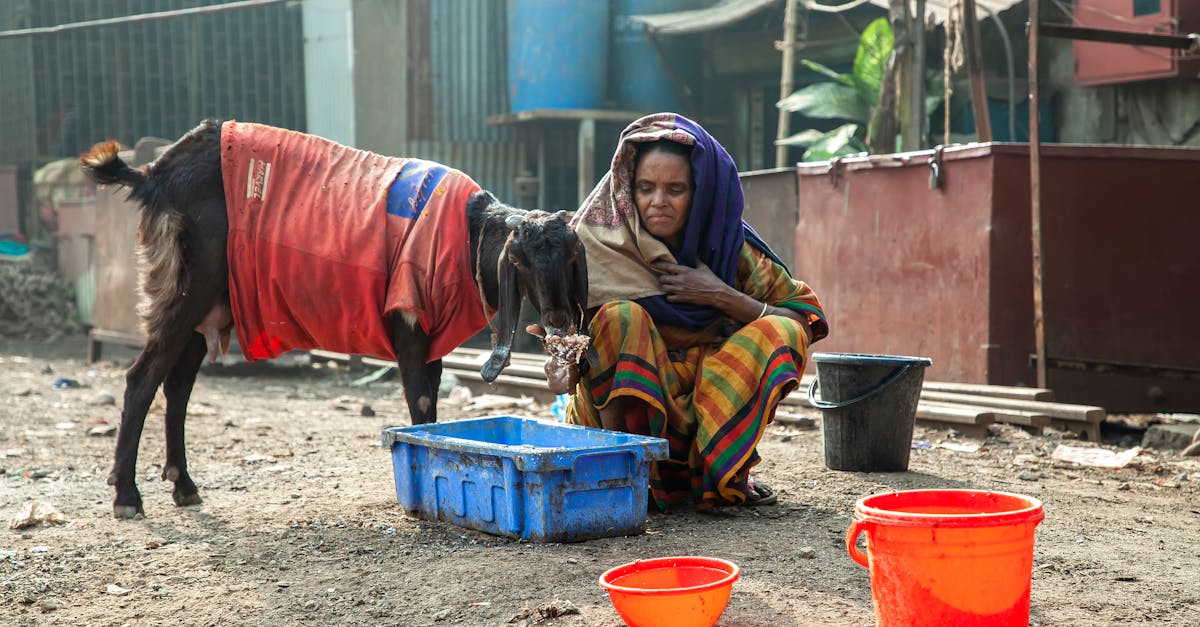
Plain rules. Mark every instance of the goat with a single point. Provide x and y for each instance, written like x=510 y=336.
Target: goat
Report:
x=192 y=266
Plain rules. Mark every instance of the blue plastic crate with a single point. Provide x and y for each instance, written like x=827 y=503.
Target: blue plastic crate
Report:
x=524 y=478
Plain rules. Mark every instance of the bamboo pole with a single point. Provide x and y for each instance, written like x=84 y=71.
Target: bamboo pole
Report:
x=786 y=79
x=1035 y=193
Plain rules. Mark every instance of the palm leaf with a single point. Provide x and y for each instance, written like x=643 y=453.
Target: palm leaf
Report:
x=843 y=140
x=803 y=138
x=844 y=79
x=870 y=62
x=827 y=100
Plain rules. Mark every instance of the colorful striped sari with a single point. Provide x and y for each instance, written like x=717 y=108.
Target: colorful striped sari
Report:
x=710 y=394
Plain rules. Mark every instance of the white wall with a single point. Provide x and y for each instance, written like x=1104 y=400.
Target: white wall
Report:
x=329 y=69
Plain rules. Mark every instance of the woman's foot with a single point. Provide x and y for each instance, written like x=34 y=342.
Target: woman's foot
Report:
x=758 y=493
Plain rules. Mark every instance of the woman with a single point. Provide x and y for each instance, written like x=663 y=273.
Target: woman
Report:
x=698 y=330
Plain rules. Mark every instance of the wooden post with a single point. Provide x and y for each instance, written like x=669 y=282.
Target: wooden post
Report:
x=786 y=79
x=1035 y=193
x=902 y=49
x=587 y=158
x=916 y=93
x=974 y=50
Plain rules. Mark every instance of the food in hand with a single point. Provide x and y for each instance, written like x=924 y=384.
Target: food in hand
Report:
x=562 y=366
x=567 y=348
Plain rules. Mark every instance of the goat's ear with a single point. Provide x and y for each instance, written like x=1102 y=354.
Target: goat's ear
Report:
x=509 y=315
x=513 y=221
x=479 y=202
x=562 y=214
x=579 y=289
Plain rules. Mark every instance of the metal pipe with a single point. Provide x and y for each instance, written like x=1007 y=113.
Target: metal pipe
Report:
x=141 y=17
x=1182 y=42
x=1035 y=192
x=1012 y=81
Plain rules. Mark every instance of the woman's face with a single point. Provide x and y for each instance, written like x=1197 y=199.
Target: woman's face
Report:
x=662 y=191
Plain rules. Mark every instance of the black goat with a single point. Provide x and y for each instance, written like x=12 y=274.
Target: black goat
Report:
x=183 y=230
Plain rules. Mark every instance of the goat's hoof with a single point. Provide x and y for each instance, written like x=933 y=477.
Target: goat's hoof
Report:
x=128 y=512
x=184 y=500
x=170 y=473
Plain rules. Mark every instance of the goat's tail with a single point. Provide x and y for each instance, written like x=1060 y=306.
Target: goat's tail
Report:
x=103 y=165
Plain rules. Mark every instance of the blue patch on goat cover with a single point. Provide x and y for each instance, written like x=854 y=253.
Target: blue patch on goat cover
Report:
x=413 y=187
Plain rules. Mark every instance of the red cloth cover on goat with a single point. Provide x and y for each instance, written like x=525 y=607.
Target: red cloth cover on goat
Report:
x=317 y=260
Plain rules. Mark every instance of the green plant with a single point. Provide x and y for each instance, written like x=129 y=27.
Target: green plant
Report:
x=852 y=97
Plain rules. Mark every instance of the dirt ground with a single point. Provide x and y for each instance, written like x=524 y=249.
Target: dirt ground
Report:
x=300 y=523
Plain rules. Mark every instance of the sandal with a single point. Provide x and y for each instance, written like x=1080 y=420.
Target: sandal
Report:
x=758 y=493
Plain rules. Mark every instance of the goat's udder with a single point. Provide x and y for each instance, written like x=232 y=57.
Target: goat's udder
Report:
x=216 y=328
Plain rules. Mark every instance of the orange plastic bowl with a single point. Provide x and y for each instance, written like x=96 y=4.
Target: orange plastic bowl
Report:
x=671 y=591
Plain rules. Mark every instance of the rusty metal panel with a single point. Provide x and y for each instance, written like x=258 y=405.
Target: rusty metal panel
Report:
x=10 y=214
x=901 y=268
x=1104 y=63
x=116 y=264
x=946 y=272
x=771 y=209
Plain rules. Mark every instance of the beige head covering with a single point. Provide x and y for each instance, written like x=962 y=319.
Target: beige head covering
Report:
x=619 y=249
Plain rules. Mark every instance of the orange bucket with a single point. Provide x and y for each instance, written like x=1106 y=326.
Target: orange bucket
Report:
x=947 y=557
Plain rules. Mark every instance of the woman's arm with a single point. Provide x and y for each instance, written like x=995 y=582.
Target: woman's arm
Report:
x=700 y=286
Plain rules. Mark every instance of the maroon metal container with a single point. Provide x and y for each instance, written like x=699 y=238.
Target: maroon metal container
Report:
x=945 y=271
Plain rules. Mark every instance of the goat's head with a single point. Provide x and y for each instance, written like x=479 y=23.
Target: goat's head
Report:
x=544 y=261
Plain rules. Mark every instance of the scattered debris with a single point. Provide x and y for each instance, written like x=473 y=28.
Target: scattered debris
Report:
x=116 y=590
x=460 y=395
x=64 y=383
x=102 y=399
x=1098 y=457
x=366 y=411
x=102 y=430
x=488 y=402
x=553 y=609
x=35 y=302
x=36 y=513
x=373 y=377
x=807 y=552
x=959 y=447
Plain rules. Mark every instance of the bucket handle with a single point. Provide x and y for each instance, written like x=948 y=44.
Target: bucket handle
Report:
x=857 y=527
x=820 y=404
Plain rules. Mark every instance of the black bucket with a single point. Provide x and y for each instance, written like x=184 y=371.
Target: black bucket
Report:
x=869 y=404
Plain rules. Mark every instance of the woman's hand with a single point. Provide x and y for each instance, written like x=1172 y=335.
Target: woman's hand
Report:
x=561 y=378
x=698 y=286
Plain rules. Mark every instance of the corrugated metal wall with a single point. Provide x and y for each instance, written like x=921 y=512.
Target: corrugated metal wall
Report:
x=17 y=120
x=428 y=74
x=150 y=78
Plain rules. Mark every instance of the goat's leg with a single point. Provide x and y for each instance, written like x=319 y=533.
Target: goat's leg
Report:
x=178 y=389
x=420 y=380
x=141 y=382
